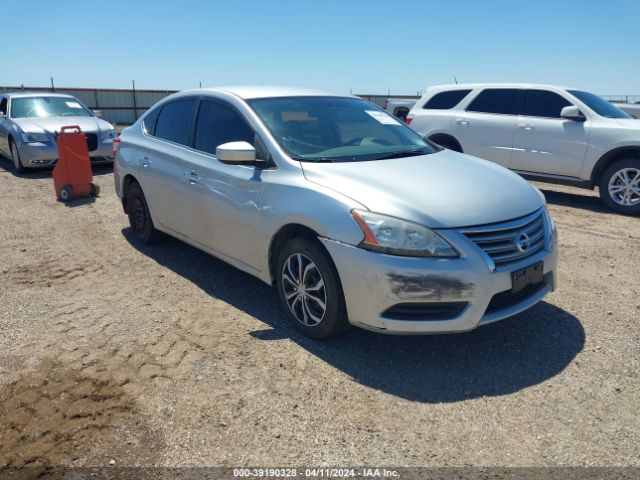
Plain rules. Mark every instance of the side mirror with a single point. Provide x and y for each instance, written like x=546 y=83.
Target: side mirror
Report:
x=236 y=153
x=98 y=113
x=572 y=113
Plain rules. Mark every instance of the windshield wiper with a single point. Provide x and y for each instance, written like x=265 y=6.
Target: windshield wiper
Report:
x=409 y=153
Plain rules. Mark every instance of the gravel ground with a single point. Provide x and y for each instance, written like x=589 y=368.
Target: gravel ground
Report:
x=111 y=352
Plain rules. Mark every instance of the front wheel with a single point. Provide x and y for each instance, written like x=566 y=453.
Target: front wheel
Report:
x=15 y=156
x=620 y=186
x=309 y=289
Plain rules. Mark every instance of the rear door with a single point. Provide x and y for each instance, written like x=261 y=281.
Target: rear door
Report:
x=485 y=129
x=544 y=141
x=163 y=164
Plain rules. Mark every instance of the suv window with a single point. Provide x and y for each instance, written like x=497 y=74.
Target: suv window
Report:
x=446 y=100
x=542 y=103
x=217 y=124
x=149 y=121
x=174 y=121
x=496 y=100
x=3 y=106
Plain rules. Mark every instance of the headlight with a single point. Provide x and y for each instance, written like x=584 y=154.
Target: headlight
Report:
x=550 y=225
x=35 y=137
x=399 y=237
x=109 y=134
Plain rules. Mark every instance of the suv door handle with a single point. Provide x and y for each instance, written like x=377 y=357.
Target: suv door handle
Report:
x=526 y=126
x=462 y=121
x=192 y=176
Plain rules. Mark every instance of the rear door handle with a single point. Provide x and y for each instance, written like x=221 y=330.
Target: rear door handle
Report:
x=526 y=126
x=192 y=176
x=145 y=161
x=462 y=121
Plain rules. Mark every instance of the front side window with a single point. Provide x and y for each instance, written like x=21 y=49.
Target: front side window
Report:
x=543 y=103
x=446 y=100
x=496 y=100
x=217 y=124
x=318 y=129
x=599 y=105
x=175 y=120
x=25 y=107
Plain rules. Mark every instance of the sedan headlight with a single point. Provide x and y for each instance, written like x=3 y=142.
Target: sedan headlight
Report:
x=35 y=137
x=399 y=237
x=550 y=225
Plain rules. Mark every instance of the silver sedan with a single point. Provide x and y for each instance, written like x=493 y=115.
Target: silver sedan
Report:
x=352 y=216
x=30 y=122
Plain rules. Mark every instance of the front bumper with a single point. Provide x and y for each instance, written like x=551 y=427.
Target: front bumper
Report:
x=374 y=282
x=42 y=154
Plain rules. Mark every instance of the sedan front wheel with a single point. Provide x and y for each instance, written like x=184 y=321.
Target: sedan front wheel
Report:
x=15 y=156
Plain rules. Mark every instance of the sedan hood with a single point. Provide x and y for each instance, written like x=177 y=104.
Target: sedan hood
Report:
x=441 y=190
x=54 y=124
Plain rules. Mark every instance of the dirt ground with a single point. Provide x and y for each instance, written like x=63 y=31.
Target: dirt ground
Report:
x=114 y=353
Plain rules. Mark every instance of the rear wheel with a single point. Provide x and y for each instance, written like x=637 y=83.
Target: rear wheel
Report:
x=309 y=289
x=66 y=193
x=15 y=156
x=620 y=186
x=94 y=189
x=139 y=216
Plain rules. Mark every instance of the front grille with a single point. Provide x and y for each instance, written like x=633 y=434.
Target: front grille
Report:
x=92 y=141
x=508 y=298
x=425 y=311
x=510 y=242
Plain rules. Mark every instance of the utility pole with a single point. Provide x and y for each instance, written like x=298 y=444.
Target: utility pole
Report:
x=53 y=88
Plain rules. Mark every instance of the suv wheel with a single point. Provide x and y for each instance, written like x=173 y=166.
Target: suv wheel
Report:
x=620 y=186
x=15 y=156
x=139 y=216
x=309 y=289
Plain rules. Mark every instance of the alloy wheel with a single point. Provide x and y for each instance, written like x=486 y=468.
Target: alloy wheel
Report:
x=139 y=214
x=304 y=289
x=624 y=187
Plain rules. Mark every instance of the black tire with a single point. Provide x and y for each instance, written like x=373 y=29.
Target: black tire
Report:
x=334 y=317
x=139 y=216
x=15 y=158
x=631 y=164
x=94 y=189
x=448 y=143
x=66 y=194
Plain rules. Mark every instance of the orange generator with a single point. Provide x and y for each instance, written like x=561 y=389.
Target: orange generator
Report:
x=72 y=174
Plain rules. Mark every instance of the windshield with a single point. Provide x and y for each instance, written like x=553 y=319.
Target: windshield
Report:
x=22 y=107
x=321 y=129
x=599 y=105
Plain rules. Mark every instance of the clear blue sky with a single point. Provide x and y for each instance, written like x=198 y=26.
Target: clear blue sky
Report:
x=369 y=46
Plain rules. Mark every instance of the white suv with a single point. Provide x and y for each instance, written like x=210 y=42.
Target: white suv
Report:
x=542 y=132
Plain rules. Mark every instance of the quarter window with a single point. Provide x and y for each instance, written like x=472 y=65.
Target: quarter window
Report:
x=496 y=100
x=446 y=100
x=218 y=124
x=542 y=103
x=174 y=121
x=149 y=121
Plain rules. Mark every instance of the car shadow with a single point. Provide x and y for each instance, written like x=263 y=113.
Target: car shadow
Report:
x=575 y=200
x=493 y=360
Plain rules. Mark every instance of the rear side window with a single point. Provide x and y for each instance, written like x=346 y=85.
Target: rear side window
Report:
x=446 y=100
x=3 y=106
x=149 y=121
x=218 y=124
x=542 y=103
x=496 y=100
x=174 y=121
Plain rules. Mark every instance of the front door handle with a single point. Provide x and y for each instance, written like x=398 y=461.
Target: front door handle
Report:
x=145 y=161
x=462 y=121
x=526 y=126
x=192 y=176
